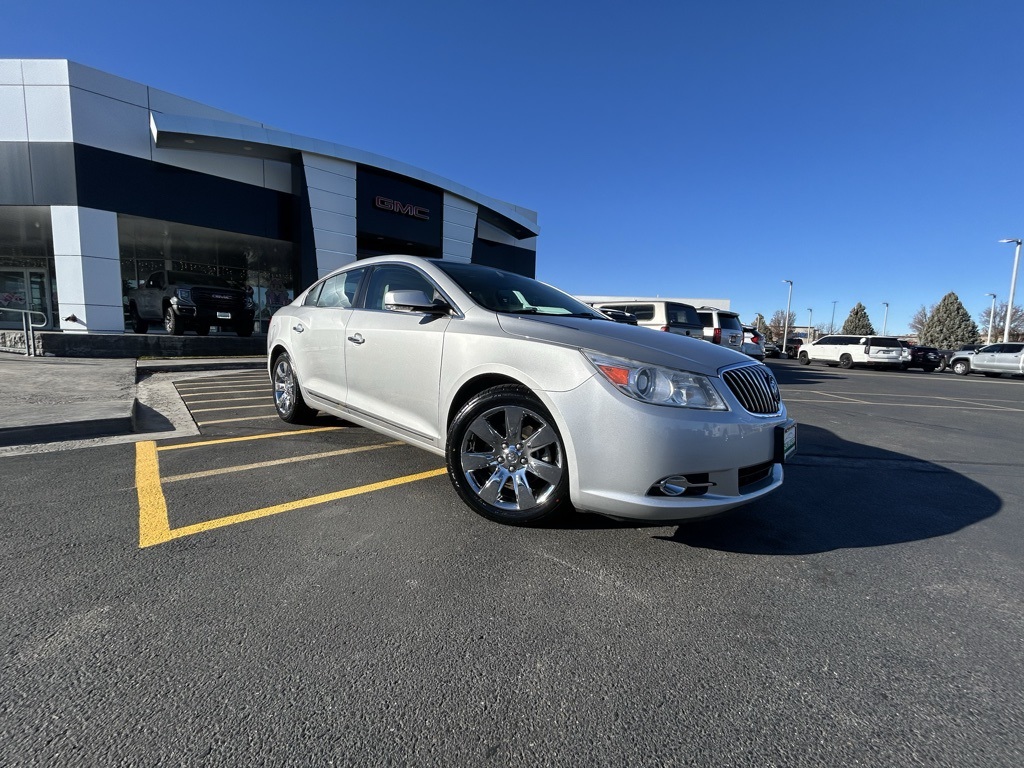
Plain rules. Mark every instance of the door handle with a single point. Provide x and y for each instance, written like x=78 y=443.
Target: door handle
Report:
x=357 y=338
x=298 y=328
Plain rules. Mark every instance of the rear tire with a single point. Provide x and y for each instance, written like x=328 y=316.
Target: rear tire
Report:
x=288 y=400
x=138 y=324
x=506 y=457
x=244 y=330
x=804 y=359
x=203 y=330
x=846 y=361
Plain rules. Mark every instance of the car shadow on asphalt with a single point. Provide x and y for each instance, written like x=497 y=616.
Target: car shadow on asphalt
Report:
x=842 y=495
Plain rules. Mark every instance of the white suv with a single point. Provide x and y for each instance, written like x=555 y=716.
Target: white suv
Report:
x=668 y=316
x=722 y=327
x=848 y=351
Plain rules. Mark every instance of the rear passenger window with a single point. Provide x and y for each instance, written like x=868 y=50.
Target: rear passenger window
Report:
x=680 y=314
x=731 y=323
x=642 y=311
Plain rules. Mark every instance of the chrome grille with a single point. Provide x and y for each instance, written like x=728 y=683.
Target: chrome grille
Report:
x=755 y=387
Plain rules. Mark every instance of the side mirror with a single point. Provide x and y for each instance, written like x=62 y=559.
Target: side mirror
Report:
x=864 y=341
x=414 y=301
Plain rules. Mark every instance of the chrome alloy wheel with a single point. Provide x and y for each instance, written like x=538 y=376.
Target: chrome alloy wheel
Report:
x=512 y=458
x=284 y=386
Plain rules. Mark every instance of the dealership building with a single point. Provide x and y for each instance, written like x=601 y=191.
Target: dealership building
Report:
x=104 y=181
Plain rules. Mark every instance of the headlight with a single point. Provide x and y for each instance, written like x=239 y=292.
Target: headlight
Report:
x=656 y=385
x=184 y=294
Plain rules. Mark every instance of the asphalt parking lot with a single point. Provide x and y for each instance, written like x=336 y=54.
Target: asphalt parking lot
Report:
x=267 y=594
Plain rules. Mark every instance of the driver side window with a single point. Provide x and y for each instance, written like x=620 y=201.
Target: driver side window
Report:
x=395 y=278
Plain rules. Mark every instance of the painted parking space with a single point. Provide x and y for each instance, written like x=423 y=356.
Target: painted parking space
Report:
x=236 y=447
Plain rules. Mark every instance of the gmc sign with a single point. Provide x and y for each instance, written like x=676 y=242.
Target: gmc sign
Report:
x=416 y=211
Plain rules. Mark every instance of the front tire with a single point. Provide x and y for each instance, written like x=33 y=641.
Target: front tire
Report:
x=288 y=400
x=172 y=323
x=506 y=457
x=961 y=367
x=804 y=359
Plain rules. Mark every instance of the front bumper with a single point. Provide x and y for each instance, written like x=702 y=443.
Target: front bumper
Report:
x=620 y=449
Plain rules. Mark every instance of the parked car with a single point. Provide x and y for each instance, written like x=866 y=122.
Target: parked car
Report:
x=848 y=351
x=927 y=358
x=189 y=300
x=771 y=349
x=668 y=316
x=534 y=399
x=753 y=343
x=793 y=346
x=722 y=327
x=991 y=360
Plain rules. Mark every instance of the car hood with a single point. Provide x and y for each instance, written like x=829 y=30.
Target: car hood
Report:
x=645 y=345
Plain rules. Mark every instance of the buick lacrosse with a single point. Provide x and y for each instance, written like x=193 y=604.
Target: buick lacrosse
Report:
x=535 y=399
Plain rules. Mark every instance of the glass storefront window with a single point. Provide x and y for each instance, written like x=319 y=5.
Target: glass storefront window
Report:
x=26 y=264
x=263 y=266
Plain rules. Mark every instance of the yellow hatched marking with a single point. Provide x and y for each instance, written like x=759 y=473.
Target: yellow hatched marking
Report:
x=261 y=396
x=240 y=418
x=231 y=408
x=277 y=462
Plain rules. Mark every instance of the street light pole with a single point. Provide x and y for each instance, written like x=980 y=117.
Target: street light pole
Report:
x=885 y=317
x=832 y=322
x=1013 y=286
x=810 y=323
x=991 y=317
x=785 y=332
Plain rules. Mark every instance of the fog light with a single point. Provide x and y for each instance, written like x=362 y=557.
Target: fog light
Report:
x=683 y=485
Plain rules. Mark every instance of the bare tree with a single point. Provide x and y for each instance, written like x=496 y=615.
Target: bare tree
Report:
x=999 y=325
x=777 y=325
x=917 y=322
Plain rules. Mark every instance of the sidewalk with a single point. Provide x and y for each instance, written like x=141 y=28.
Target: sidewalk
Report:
x=48 y=399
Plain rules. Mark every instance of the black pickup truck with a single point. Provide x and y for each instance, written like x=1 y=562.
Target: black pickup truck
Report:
x=189 y=300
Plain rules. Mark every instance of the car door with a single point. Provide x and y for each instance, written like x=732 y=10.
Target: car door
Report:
x=1009 y=359
x=318 y=336
x=393 y=358
x=987 y=358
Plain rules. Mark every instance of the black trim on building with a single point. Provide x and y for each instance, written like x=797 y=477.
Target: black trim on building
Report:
x=510 y=258
x=39 y=173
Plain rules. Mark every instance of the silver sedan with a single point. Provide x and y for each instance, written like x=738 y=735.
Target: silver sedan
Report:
x=534 y=399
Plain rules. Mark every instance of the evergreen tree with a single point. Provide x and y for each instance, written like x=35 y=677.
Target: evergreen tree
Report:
x=949 y=325
x=858 y=323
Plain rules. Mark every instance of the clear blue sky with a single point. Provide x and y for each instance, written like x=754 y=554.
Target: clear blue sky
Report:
x=869 y=150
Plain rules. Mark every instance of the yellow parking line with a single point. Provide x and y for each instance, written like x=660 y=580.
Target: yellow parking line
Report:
x=277 y=462
x=261 y=396
x=240 y=418
x=154 y=525
x=231 y=408
x=264 y=436
x=223 y=390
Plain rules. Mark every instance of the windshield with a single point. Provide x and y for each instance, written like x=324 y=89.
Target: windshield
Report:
x=501 y=291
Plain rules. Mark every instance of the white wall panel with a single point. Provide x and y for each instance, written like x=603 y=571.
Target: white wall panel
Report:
x=13 y=119
x=328 y=261
x=161 y=101
x=10 y=72
x=335 y=222
x=458 y=232
x=88 y=268
x=330 y=182
x=335 y=241
x=457 y=250
x=106 y=123
x=45 y=72
x=328 y=201
x=106 y=84
x=460 y=216
x=49 y=112
x=340 y=167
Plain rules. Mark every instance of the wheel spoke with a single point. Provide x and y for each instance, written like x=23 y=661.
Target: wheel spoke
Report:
x=482 y=429
x=490 y=490
x=513 y=424
x=549 y=473
x=524 y=494
x=474 y=461
x=543 y=437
